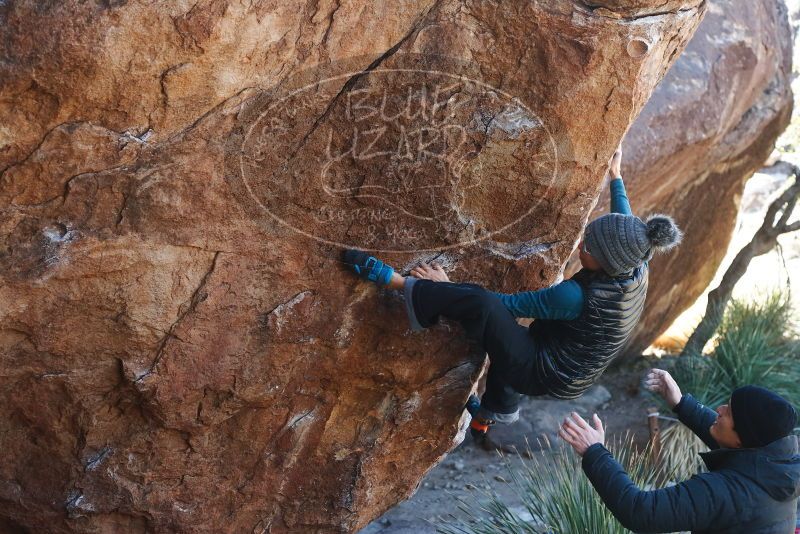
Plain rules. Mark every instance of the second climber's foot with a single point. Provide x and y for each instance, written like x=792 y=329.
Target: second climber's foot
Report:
x=479 y=426
x=432 y=271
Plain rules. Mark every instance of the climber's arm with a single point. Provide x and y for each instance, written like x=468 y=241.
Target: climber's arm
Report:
x=619 y=198
x=562 y=301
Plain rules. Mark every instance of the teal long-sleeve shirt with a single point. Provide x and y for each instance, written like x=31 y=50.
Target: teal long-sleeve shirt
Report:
x=562 y=301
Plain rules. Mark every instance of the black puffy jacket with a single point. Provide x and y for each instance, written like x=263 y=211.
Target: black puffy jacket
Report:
x=571 y=355
x=745 y=491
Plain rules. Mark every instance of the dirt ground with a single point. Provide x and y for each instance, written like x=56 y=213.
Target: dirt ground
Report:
x=469 y=471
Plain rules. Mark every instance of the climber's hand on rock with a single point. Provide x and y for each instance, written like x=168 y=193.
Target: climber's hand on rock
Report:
x=615 y=163
x=661 y=383
x=578 y=433
x=433 y=272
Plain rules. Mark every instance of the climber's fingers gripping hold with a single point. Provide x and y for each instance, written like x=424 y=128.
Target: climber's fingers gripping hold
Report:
x=615 y=163
x=433 y=272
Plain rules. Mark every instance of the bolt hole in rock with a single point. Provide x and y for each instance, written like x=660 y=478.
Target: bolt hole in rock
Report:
x=637 y=48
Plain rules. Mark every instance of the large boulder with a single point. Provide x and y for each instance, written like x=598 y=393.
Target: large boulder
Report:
x=709 y=125
x=180 y=349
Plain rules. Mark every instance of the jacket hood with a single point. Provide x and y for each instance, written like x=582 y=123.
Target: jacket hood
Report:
x=774 y=467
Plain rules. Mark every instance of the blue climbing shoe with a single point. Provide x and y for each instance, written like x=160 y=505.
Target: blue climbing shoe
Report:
x=473 y=404
x=368 y=267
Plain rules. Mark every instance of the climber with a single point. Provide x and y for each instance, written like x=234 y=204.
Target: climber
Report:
x=753 y=478
x=581 y=324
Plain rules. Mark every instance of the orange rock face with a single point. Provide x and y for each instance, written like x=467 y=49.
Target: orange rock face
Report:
x=180 y=348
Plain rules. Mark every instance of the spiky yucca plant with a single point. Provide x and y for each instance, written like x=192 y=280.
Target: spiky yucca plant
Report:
x=555 y=494
x=680 y=451
x=756 y=344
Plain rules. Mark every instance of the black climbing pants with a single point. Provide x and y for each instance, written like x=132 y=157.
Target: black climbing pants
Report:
x=486 y=320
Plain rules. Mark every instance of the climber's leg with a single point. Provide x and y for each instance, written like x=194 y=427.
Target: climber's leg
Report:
x=486 y=320
x=500 y=404
x=468 y=304
x=426 y=300
x=500 y=401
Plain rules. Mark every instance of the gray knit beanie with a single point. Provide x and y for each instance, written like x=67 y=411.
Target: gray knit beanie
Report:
x=620 y=243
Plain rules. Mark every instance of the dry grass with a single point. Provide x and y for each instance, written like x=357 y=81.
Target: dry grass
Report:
x=556 y=496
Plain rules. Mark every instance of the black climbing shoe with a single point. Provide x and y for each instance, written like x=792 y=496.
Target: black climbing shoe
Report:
x=478 y=427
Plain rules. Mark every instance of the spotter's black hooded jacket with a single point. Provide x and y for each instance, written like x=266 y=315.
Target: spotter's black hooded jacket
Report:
x=745 y=491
